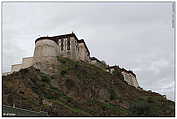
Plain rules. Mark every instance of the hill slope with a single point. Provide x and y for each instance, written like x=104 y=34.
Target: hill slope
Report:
x=79 y=89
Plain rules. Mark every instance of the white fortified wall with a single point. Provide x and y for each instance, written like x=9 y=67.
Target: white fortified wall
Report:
x=130 y=79
x=27 y=62
x=135 y=82
x=16 y=67
x=6 y=73
x=83 y=54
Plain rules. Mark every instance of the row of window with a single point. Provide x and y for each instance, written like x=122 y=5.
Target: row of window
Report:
x=68 y=44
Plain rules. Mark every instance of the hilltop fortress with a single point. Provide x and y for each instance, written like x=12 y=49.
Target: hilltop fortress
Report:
x=66 y=45
x=48 y=48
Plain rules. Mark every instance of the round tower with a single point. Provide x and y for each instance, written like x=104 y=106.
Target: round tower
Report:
x=46 y=50
x=45 y=47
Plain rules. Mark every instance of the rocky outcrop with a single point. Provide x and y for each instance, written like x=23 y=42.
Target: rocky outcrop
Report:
x=73 y=88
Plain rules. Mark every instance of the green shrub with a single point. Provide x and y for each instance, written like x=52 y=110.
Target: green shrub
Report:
x=108 y=106
x=50 y=97
x=68 y=99
x=92 y=102
x=63 y=73
x=53 y=88
x=139 y=109
x=113 y=95
x=118 y=73
x=150 y=100
x=45 y=77
x=144 y=107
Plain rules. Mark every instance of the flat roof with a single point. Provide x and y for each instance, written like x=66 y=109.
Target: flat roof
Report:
x=55 y=38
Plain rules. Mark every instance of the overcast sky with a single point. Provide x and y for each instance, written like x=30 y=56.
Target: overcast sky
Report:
x=136 y=36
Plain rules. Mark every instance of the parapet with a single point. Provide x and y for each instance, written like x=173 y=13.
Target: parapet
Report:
x=55 y=38
x=27 y=62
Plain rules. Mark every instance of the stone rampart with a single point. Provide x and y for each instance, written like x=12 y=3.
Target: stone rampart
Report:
x=27 y=62
x=16 y=67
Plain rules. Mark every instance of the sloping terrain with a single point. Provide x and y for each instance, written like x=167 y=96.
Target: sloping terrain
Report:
x=73 y=88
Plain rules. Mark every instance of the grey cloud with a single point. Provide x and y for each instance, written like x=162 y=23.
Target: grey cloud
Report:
x=136 y=36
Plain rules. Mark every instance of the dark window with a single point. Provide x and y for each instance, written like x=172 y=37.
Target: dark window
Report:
x=68 y=44
x=61 y=44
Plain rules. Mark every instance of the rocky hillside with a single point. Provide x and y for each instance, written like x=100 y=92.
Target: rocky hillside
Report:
x=79 y=89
